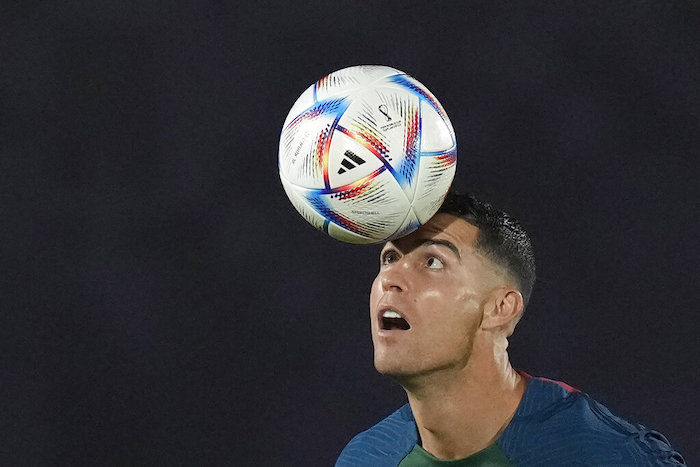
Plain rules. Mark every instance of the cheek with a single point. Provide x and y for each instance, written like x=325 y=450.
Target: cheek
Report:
x=374 y=292
x=450 y=299
x=469 y=298
x=466 y=294
x=450 y=289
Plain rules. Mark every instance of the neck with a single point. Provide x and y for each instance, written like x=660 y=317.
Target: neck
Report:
x=460 y=411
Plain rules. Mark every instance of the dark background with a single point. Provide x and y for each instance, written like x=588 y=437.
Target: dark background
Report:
x=163 y=303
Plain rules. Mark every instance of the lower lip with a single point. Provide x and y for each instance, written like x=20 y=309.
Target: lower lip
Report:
x=391 y=332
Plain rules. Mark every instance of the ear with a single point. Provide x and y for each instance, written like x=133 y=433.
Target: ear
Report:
x=505 y=310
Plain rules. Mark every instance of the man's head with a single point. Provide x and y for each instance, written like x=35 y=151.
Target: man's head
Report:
x=441 y=287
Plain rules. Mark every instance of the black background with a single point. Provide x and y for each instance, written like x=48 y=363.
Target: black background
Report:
x=162 y=302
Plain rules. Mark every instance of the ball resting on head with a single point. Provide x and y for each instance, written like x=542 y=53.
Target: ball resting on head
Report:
x=367 y=154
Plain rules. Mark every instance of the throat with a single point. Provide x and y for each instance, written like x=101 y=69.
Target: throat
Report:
x=458 y=442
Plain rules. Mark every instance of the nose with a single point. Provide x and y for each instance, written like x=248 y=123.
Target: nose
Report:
x=394 y=278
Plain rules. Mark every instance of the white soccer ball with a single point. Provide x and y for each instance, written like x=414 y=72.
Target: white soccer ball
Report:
x=367 y=154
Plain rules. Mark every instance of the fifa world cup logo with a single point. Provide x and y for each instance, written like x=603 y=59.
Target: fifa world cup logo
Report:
x=385 y=111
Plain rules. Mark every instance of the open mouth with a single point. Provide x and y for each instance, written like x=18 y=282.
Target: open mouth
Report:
x=391 y=320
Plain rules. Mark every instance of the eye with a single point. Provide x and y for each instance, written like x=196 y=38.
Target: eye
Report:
x=435 y=263
x=390 y=256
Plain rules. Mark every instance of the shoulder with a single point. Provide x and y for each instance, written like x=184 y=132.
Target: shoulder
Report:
x=386 y=443
x=557 y=423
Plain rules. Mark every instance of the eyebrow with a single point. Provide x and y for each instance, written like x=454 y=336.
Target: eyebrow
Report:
x=446 y=243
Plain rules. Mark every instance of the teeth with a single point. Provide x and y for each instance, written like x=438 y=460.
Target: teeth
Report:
x=391 y=314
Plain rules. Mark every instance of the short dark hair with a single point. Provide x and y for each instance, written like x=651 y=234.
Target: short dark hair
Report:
x=500 y=238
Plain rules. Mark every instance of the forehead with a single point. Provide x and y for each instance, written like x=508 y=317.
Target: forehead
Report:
x=442 y=226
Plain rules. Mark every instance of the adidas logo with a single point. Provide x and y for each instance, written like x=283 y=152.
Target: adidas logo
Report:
x=348 y=160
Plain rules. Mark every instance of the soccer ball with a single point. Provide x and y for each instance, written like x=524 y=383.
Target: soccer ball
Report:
x=367 y=154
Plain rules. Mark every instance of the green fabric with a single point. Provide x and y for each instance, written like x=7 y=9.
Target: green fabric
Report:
x=492 y=456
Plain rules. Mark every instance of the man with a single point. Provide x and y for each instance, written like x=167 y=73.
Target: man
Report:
x=442 y=307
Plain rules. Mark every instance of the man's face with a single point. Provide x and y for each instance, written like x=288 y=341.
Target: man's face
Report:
x=438 y=285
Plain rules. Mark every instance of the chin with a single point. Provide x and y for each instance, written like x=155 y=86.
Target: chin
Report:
x=386 y=367
x=392 y=368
